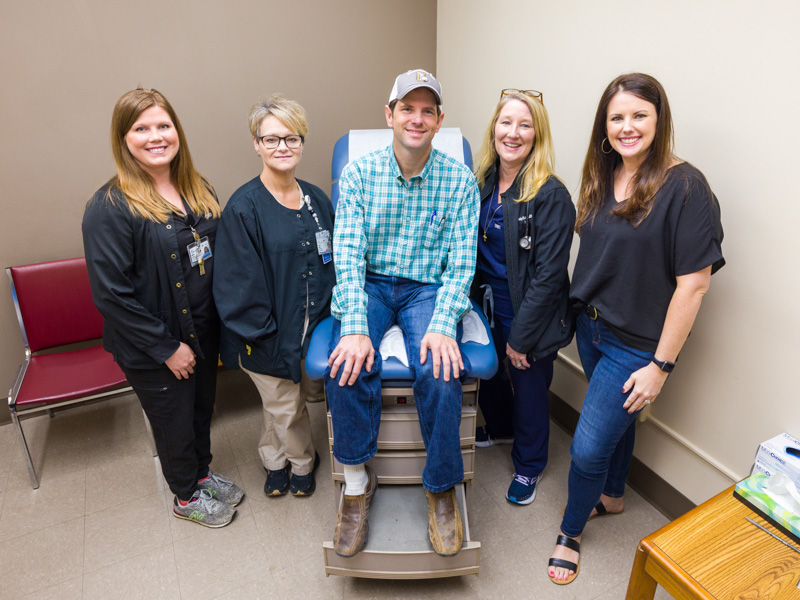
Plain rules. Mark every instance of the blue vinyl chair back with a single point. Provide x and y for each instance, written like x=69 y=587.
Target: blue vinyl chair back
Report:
x=483 y=358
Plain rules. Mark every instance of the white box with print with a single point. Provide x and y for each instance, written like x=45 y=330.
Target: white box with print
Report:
x=781 y=453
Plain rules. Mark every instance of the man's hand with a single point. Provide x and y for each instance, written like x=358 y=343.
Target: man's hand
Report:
x=182 y=362
x=351 y=353
x=445 y=353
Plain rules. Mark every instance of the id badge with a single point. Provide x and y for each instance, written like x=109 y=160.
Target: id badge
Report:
x=323 y=242
x=201 y=249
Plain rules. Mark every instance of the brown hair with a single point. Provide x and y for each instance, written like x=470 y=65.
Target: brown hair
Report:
x=134 y=182
x=597 y=180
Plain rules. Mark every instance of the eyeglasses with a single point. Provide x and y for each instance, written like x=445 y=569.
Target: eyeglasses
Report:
x=273 y=141
x=532 y=93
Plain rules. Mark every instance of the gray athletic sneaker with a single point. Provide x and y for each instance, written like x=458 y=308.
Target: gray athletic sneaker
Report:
x=221 y=488
x=204 y=509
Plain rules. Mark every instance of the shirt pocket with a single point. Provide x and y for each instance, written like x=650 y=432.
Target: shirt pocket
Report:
x=434 y=233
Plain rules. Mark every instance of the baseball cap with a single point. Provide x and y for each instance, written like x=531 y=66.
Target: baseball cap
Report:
x=413 y=79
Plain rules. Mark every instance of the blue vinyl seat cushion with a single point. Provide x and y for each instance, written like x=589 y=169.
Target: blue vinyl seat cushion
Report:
x=482 y=358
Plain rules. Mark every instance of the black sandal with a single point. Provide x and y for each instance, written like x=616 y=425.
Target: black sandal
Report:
x=560 y=563
x=602 y=511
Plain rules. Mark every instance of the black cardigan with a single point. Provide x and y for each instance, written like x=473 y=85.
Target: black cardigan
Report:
x=137 y=283
x=266 y=256
x=538 y=278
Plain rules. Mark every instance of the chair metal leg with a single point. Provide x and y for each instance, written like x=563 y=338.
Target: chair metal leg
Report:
x=25 y=451
x=150 y=437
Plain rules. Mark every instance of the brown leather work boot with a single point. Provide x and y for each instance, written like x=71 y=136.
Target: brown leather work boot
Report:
x=351 y=523
x=444 y=523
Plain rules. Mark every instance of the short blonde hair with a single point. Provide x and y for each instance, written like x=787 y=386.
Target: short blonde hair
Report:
x=290 y=113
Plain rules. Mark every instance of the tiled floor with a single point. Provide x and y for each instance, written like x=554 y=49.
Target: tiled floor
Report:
x=100 y=527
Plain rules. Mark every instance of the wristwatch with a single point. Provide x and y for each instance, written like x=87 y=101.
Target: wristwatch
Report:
x=664 y=365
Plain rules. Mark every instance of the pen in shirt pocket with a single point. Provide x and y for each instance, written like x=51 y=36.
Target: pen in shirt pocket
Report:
x=434 y=220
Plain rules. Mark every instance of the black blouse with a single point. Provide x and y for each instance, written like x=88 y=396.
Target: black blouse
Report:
x=198 y=287
x=629 y=273
x=139 y=284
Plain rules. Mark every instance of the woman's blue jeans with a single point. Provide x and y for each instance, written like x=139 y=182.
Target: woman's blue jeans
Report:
x=356 y=409
x=603 y=444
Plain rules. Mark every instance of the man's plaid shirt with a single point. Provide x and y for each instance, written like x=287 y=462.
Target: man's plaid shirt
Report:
x=424 y=229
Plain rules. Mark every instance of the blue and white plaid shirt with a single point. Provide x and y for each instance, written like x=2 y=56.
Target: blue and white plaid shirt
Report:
x=424 y=229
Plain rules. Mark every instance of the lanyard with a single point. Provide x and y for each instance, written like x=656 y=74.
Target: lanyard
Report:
x=307 y=202
x=323 y=236
x=190 y=221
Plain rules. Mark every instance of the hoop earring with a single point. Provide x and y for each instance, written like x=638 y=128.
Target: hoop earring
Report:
x=610 y=147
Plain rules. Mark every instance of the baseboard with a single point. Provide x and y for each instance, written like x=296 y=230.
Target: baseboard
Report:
x=657 y=491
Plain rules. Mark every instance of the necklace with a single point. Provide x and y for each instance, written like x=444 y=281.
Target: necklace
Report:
x=490 y=219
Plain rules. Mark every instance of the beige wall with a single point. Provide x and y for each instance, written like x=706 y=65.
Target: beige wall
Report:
x=64 y=64
x=730 y=69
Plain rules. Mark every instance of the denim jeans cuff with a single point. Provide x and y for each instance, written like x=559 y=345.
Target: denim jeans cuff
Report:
x=613 y=494
x=567 y=532
x=436 y=489
x=355 y=461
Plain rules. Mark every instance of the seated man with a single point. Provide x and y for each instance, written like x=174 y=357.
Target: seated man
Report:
x=404 y=249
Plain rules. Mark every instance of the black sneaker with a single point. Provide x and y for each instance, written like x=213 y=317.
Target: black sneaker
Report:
x=304 y=485
x=277 y=483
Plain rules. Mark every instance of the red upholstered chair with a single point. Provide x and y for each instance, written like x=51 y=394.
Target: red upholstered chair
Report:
x=54 y=308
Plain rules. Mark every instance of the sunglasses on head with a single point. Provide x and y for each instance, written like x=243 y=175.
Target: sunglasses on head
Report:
x=532 y=93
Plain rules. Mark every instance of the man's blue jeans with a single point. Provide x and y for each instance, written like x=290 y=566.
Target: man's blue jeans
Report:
x=356 y=409
x=603 y=444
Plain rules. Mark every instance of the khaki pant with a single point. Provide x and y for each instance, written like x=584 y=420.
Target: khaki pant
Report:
x=286 y=434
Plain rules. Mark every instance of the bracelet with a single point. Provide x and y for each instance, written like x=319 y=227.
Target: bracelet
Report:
x=664 y=365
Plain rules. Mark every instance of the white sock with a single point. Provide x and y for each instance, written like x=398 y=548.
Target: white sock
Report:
x=355 y=480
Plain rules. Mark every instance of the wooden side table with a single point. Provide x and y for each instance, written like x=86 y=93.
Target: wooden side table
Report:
x=712 y=552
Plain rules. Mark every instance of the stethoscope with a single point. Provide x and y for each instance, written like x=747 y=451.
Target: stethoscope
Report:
x=525 y=240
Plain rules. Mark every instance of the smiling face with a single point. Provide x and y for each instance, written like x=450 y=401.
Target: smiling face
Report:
x=281 y=159
x=631 y=126
x=153 y=140
x=415 y=120
x=514 y=134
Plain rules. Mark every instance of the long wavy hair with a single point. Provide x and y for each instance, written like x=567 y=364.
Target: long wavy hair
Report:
x=597 y=180
x=135 y=183
x=539 y=165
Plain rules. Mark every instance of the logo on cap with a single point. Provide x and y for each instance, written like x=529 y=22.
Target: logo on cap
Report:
x=422 y=76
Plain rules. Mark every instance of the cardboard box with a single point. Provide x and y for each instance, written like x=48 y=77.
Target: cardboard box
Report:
x=751 y=492
x=773 y=456
x=759 y=467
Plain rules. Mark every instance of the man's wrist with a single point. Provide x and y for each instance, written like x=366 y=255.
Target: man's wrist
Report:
x=354 y=325
x=442 y=330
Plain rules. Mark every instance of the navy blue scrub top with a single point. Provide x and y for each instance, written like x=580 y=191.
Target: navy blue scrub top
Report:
x=492 y=253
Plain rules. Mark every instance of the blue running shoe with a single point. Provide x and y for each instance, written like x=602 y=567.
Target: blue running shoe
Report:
x=522 y=489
